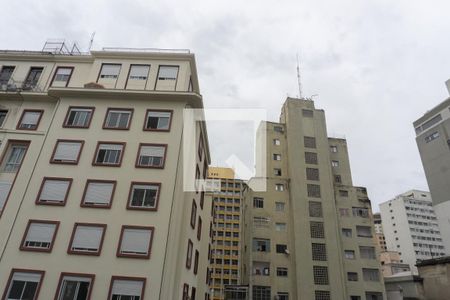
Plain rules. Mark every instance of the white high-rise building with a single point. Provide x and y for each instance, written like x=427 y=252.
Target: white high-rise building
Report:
x=410 y=227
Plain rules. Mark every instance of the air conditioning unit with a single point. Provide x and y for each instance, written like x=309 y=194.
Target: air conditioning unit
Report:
x=287 y=251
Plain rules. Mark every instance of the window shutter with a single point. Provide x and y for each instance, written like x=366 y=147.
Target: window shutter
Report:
x=139 y=71
x=152 y=151
x=135 y=240
x=115 y=147
x=54 y=190
x=99 y=193
x=168 y=72
x=67 y=151
x=4 y=191
x=110 y=70
x=64 y=71
x=87 y=237
x=31 y=117
x=29 y=277
x=40 y=232
x=159 y=114
x=127 y=287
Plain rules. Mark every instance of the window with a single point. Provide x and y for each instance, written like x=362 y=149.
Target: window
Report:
x=79 y=117
x=343 y=193
x=322 y=295
x=349 y=254
x=367 y=252
x=196 y=262
x=62 y=76
x=109 y=154
x=193 y=213
x=139 y=72
x=320 y=275
x=278 y=129
x=261 y=245
x=39 y=235
x=151 y=156
x=135 y=241
x=319 y=252
x=337 y=179
x=280 y=248
x=352 y=276
x=189 y=254
x=282 y=272
x=3 y=114
x=280 y=226
x=315 y=209
x=158 y=120
x=311 y=158
x=277 y=172
x=313 y=190
x=110 y=71
x=5 y=186
x=144 y=196
x=14 y=156
x=23 y=284
x=123 y=288
x=258 y=202
x=344 y=212
x=199 y=228
x=279 y=187
x=432 y=137
x=167 y=72
x=347 y=232
x=5 y=75
x=167 y=78
x=317 y=230
x=279 y=206
x=312 y=174
x=193 y=292
x=98 y=193
x=276 y=142
x=87 y=239
x=333 y=149
x=307 y=113
x=32 y=79
x=309 y=141
x=371 y=274
x=67 y=152
x=335 y=163
x=200 y=148
x=374 y=295
x=74 y=286
x=360 y=212
x=54 y=191
x=363 y=231
x=185 y=292
x=30 y=119
x=276 y=156
x=118 y=118
x=261 y=292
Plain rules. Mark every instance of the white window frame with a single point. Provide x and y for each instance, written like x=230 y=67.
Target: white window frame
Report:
x=110 y=71
x=121 y=113
x=158 y=114
x=155 y=152
x=112 y=150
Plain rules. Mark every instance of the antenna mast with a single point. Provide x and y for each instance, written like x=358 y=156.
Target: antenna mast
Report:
x=300 y=95
x=91 y=42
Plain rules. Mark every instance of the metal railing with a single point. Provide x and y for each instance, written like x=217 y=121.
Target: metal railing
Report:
x=146 y=50
x=19 y=86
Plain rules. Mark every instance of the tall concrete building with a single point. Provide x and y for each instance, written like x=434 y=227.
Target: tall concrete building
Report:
x=91 y=186
x=411 y=228
x=226 y=254
x=310 y=234
x=380 y=240
x=433 y=141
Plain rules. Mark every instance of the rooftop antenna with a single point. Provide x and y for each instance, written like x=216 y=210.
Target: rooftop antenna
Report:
x=300 y=95
x=91 y=42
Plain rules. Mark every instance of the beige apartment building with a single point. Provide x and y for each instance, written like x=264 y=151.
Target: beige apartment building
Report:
x=91 y=186
x=310 y=234
x=226 y=254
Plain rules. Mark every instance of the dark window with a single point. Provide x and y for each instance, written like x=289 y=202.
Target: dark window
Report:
x=5 y=75
x=317 y=230
x=144 y=195
x=79 y=117
x=3 y=114
x=158 y=120
x=313 y=190
x=311 y=158
x=282 y=272
x=74 y=287
x=312 y=174
x=258 y=202
x=310 y=142
x=109 y=154
x=32 y=78
x=307 y=113
x=280 y=248
x=315 y=209
x=261 y=292
x=319 y=252
x=320 y=275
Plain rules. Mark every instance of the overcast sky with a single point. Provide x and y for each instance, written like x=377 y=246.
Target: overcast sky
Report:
x=375 y=65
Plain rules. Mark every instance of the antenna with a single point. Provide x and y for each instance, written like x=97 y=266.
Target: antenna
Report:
x=300 y=95
x=91 y=41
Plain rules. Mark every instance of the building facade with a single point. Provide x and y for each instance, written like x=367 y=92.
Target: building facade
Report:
x=432 y=137
x=91 y=187
x=392 y=264
x=309 y=235
x=380 y=240
x=411 y=228
x=225 y=254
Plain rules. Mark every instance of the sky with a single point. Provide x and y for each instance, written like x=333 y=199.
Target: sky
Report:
x=375 y=66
